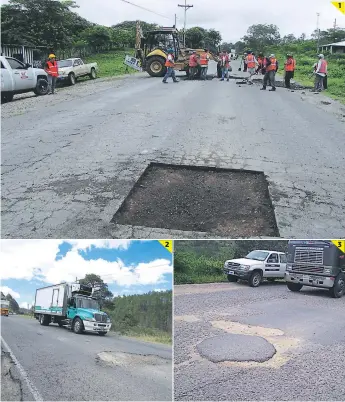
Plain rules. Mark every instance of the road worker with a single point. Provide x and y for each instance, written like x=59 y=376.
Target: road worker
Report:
x=51 y=68
x=260 y=69
x=204 y=59
x=170 y=64
x=251 y=64
x=193 y=65
x=225 y=63
x=289 y=67
x=320 y=73
x=271 y=69
x=244 y=62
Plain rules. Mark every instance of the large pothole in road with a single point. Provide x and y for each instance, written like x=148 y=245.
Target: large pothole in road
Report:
x=236 y=348
x=225 y=202
x=131 y=359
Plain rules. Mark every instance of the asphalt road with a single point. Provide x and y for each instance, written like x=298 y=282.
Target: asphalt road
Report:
x=62 y=366
x=69 y=160
x=306 y=329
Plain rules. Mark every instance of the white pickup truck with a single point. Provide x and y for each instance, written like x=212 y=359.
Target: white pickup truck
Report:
x=256 y=266
x=71 y=69
x=18 y=78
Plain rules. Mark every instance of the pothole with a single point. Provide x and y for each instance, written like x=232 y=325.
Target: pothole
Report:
x=236 y=348
x=225 y=202
x=131 y=359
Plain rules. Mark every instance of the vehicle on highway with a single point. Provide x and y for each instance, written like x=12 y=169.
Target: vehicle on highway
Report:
x=256 y=266
x=152 y=51
x=18 y=78
x=317 y=263
x=4 y=306
x=72 y=69
x=71 y=305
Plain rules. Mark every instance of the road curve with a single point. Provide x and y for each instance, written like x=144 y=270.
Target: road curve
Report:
x=57 y=365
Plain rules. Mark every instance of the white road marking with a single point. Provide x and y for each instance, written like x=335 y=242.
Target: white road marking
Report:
x=34 y=391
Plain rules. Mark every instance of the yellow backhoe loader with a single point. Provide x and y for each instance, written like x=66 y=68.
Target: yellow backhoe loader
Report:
x=152 y=50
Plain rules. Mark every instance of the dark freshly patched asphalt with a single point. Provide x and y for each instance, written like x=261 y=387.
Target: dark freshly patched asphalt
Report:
x=307 y=329
x=70 y=160
x=62 y=366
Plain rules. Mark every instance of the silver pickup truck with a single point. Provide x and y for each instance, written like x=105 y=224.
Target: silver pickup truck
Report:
x=71 y=69
x=18 y=78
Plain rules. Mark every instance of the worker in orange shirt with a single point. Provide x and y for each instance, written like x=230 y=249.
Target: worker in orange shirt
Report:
x=204 y=59
x=289 y=67
x=251 y=64
x=193 y=65
x=170 y=64
x=271 y=64
x=51 y=68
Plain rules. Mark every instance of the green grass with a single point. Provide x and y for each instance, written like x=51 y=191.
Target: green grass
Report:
x=163 y=338
x=110 y=64
x=304 y=67
x=190 y=268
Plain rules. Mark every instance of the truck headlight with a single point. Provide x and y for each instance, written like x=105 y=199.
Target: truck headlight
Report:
x=108 y=319
x=245 y=267
x=327 y=271
x=89 y=319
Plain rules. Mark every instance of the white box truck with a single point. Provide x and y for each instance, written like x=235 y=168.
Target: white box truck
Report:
x=71 y=305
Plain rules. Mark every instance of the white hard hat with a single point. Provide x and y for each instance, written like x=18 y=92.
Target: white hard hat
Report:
x=272 y=55
x=321 y=55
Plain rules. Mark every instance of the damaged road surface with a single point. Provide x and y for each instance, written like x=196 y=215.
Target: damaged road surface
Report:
x=58 y=365
x=70 y=161
x=236 y=343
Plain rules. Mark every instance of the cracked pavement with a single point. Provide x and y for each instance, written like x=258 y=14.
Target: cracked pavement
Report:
x=69 y=160
x=306 y=329
x=60 y=365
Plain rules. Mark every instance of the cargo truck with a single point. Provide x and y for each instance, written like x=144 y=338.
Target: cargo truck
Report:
x=71 y=305
x=5 y=307
x=317 y=263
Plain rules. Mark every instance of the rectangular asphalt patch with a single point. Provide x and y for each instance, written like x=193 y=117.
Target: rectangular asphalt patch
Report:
x=229 y=203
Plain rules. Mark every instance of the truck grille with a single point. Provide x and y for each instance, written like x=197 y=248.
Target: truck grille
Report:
x=233 y=265
x=101 y=317
x=311 y=255
x=309 y=268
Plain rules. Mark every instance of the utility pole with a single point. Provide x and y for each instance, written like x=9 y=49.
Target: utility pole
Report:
x=175 y=20
x=318 y=31
x=186 y=7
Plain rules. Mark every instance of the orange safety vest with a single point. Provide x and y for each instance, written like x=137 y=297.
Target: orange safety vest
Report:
x=273 y=65
x=203 y=59
x=290 y=65
x=323 y=67
x=53 y=68
x=250 y=61
x=169 y=63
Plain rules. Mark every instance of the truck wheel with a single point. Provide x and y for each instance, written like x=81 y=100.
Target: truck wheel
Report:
x=338 y=290
x=232 y=278
x=41 y=87
x=101 y=333
x=156 y=66
x=93 y=74
x=255 y=279
x=71 y=79
x=294 y=287
x=78 y=326
x=44 y=319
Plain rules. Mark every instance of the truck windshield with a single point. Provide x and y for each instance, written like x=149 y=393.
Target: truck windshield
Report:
x=64 y=63
x=257 y=255
x=87 y=303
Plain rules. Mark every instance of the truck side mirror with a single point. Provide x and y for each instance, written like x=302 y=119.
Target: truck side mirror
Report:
x=28 y=65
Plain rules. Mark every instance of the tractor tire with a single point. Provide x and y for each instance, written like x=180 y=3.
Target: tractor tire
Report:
x=156 y=66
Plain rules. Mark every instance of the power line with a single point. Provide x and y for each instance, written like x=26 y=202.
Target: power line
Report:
x=186 y=7
x=146 y=9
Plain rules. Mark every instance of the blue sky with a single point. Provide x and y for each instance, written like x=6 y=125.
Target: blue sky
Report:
x=128 y=267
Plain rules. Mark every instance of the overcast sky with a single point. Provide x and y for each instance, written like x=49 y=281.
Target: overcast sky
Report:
x=231 y=18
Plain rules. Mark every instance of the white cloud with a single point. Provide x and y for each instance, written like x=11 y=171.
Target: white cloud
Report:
x=25 y=305
x=25 y=259
x=6 y=290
